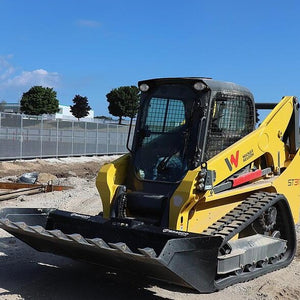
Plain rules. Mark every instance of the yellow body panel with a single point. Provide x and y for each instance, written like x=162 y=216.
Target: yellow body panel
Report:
x=109 y=178
x=288 y=184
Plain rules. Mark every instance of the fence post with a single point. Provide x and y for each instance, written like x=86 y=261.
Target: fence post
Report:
x=85 y=125
x=0 y=124
x=21 y=137
x=57 y=128
x=117 y=146
x=97 y=138
x=107 y=137
x=72 y=143
x=41 y=136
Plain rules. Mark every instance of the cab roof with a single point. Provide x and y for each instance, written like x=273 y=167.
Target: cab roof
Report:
x=213 y=85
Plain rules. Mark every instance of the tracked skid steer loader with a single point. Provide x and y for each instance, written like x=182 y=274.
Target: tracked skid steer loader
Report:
x=204 y=198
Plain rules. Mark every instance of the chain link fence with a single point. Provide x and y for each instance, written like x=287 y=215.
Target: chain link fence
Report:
x=37 y=137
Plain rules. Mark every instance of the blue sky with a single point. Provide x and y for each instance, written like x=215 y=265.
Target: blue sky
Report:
x=89 y=47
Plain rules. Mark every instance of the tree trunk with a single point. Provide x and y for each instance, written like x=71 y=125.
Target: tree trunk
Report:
x=120 y=120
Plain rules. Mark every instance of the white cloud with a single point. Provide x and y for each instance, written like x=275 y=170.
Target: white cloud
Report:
x=88 y=23
x=36 y=77
x=14 y=82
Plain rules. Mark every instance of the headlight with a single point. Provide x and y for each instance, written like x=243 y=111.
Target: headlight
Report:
x=144 y=87
x=199 y=86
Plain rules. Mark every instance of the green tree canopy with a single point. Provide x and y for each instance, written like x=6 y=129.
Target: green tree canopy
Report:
x=123 y=101
x=81 y=107
x=39 y=100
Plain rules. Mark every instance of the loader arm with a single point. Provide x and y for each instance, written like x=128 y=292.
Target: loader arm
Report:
x=266 y=140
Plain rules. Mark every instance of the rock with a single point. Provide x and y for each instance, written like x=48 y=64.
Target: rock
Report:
x=21 y=198
x=71 y=173
x=28 y=177
x=46 y=178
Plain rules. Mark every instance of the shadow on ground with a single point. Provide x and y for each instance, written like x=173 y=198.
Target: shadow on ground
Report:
x=34 y=275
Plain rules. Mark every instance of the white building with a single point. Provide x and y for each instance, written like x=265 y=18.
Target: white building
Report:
x=65 y=114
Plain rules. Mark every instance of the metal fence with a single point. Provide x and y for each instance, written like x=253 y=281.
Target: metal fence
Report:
x=31 y=137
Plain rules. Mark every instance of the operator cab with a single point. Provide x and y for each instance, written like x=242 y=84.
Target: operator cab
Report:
x=181 y=123
x=185 y=121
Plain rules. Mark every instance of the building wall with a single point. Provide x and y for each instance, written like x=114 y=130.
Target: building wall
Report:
x=11 y=108
x=65 y=112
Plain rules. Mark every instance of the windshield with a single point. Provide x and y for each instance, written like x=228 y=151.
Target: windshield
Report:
x=162 y=137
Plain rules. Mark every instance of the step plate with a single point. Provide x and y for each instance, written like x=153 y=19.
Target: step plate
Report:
x=251 y=252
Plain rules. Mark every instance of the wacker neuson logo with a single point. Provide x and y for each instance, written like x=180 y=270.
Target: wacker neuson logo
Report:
x=233 y=161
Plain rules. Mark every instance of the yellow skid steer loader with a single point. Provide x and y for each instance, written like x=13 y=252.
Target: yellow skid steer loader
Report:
x=203 y=199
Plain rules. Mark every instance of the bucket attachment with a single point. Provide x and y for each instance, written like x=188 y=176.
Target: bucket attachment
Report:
x=177 y=257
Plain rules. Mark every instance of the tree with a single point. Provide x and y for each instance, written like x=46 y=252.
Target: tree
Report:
x=39 y=100
x=81 y=107
x=123 y=101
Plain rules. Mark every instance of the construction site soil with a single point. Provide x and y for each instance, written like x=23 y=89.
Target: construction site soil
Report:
x=28 y=274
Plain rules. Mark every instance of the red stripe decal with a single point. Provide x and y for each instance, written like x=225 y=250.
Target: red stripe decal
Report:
x=246 y=177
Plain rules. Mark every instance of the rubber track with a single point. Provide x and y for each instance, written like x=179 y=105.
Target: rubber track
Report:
x=241 y=216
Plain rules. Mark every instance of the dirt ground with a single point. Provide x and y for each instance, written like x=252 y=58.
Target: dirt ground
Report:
x=28 y=274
